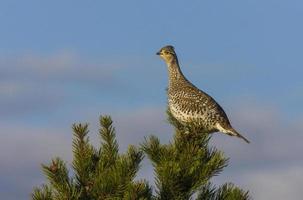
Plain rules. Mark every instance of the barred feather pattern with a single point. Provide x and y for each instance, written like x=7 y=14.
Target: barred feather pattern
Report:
x=188 y=104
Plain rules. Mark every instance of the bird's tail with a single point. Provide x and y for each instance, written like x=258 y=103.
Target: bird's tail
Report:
x=233 y=132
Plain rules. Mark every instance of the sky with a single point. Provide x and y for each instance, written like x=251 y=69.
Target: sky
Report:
x=64 y=62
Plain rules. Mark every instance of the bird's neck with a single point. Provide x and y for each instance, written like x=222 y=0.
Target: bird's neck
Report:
x=174 y=72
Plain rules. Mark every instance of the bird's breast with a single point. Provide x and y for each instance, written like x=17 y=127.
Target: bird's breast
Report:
x=183 y=113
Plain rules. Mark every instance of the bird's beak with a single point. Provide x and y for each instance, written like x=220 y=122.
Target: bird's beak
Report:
x=158 y=53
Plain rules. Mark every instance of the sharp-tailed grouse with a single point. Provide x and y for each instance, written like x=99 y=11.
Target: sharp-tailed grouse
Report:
x=188 y=104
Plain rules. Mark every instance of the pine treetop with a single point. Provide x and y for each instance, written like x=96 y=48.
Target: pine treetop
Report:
x=183 y=168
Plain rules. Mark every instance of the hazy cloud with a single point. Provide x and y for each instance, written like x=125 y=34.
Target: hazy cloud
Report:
x=22 y=149
x=60 y=66
x=31 y=83
x=273 y=137
x=272 y=183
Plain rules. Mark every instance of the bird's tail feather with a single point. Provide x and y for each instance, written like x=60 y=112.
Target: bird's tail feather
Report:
x=233 y=132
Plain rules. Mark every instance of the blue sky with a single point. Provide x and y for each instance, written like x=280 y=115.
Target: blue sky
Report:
x=70 y=61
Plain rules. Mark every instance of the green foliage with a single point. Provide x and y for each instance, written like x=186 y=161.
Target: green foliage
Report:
x=42 y=193
x=226 y=192
x=183 y=168
x=186 y=165
x=98 y=173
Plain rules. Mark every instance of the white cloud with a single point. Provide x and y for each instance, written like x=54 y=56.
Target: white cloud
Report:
x=26 y=143
x=272 y=183
x=273 y=137
x=267 y=182
x=8 y=89
x=31 y=83
x=22 y=149
x=59 y=66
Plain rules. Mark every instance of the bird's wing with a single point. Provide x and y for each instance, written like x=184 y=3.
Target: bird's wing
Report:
x=201 y=101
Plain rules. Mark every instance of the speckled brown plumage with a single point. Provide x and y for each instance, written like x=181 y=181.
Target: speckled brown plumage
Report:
x=188 y=104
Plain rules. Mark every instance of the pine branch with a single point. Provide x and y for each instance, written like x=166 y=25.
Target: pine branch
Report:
x=57 y=174
x=153 y=149
x=132 y=161
x=115 y=180
x=42 y=193
x=226 y=192
x=109 y=150
x=138 y=190
x=85 y=159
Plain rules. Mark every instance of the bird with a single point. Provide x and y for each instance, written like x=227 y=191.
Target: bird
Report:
x=190 y=105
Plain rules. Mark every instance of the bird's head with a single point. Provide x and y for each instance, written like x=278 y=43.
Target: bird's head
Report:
x=167 y=53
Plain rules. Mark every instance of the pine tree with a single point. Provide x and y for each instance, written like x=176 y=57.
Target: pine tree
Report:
x=183 y=168
x=98 y=173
